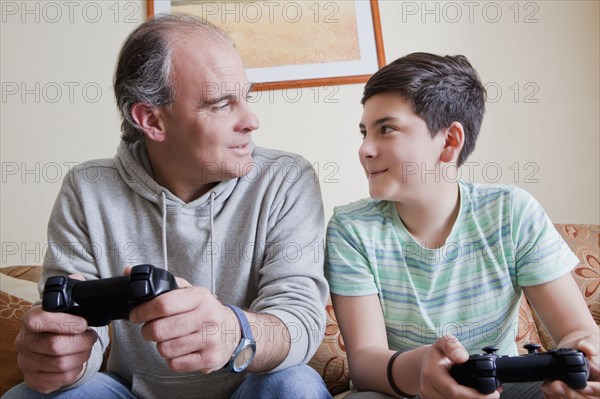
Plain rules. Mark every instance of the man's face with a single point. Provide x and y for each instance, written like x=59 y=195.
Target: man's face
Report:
x=208 y=127
x=398 y=154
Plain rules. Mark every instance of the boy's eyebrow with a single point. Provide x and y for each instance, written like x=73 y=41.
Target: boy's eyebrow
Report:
x=381 y=121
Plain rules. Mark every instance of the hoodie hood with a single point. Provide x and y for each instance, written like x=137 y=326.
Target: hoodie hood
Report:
x=135 y=169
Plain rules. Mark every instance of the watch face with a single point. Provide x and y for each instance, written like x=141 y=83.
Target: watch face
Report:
x=244 y=358
x=245 y=351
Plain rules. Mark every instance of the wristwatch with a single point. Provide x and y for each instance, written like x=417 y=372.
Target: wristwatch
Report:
x=245 y=351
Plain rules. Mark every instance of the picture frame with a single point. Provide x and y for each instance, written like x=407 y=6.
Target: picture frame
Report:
x=348 y=48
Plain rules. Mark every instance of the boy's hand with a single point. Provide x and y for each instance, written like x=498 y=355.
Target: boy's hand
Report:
x=558 y=389
x=436 y=381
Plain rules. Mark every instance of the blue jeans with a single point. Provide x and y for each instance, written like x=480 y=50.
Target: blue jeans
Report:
x=294 y=383
x=527 y=390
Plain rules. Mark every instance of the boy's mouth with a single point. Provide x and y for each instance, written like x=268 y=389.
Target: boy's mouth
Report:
x=377 y=172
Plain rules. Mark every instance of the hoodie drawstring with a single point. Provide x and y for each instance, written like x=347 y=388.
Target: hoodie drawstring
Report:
x=212 y=226
x=212 y=263
x=164 y=230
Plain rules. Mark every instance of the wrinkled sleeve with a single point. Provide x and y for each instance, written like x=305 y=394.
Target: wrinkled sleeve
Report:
x=69 y=251
x=541 y=254
x=347 y=267
x=292 y=286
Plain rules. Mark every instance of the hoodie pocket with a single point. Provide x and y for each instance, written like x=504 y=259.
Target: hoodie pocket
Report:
x=220 y=384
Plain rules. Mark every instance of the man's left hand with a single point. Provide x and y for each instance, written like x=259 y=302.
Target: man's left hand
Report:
x=193 y=331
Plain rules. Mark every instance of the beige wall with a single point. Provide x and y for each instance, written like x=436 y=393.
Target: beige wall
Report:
x=540 y=60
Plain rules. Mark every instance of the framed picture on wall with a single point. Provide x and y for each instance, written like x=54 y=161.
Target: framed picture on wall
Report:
x=295 y=43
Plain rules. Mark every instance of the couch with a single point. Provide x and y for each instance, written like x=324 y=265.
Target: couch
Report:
x=18 y=290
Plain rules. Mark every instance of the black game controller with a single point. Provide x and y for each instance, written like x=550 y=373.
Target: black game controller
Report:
x=103 y=300
x=486 y=372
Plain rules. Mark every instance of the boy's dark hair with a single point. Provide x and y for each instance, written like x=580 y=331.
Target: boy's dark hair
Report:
x=441 y=90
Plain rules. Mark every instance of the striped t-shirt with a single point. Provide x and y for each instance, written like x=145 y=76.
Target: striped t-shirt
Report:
x=470 y=287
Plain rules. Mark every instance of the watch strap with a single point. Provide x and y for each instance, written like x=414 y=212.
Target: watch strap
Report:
x=243 y=320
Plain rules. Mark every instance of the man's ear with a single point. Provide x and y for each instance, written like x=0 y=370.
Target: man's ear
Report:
x=148 y=118
x=453 y=144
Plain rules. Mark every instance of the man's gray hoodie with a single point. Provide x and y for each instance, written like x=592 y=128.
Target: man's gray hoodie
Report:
x=254 y=241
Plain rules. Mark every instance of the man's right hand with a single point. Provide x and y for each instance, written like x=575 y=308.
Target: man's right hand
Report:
x=53 y=349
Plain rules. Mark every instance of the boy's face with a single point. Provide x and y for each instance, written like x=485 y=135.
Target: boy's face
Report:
x=398 y=154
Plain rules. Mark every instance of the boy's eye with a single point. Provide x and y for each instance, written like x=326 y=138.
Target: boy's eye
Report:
x=363 y=134
x=386 y=129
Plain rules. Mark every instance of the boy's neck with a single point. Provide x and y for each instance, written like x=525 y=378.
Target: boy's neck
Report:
x=430 y=221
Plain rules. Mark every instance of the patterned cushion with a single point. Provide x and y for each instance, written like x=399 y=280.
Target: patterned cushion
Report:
x=584 y=241
x=527 y=332
x=16 y=297
x=330 y=360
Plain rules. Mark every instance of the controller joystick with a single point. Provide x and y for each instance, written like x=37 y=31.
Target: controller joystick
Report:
x=103 y=300
x=532 y=348
x=486 y=372
x=490 y=350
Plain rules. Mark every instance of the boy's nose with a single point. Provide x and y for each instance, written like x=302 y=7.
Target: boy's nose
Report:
x=367 y=149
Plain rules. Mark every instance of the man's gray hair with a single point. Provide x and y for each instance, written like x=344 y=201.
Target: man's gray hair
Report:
x=144 y=64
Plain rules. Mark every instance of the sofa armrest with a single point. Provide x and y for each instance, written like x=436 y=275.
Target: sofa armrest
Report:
x=584 y=241
x=17 y=293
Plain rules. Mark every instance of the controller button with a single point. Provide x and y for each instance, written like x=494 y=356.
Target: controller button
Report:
x=578 y=380
x=141 y=270
x=574 y=360
x=487 y=385
x=53 y=300
x=55 y=282
x=485 y=365
x=140 y=288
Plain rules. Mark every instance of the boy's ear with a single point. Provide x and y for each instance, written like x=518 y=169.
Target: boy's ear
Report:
x=453 y=144
x=148 y=118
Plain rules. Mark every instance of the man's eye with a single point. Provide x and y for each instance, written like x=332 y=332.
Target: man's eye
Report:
x=221 y=104
x=387 y=129
x=363 y=134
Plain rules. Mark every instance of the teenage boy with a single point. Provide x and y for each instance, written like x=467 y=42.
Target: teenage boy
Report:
x=431 y=269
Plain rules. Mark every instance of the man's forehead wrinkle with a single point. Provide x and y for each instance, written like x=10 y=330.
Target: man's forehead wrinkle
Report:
x=198 y=36
x=212 y=67
x=184 y=53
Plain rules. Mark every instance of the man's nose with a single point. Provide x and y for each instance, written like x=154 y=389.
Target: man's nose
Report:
x=249 y=122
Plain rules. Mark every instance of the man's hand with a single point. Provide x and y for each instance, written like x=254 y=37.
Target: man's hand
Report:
x=53 y=348
x=193 y=331
x=436 y=381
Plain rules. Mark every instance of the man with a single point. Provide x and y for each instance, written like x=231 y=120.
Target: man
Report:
x=187 y=191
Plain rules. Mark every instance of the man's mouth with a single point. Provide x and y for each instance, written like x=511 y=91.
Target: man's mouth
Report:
x=243 y=149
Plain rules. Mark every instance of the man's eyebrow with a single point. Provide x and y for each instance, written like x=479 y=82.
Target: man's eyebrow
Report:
x=226 y=96
x=212 y=101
